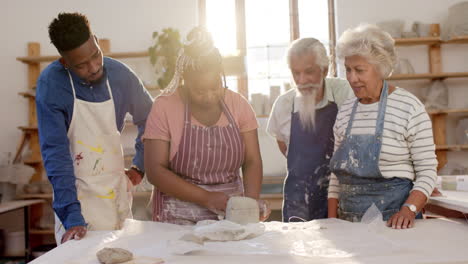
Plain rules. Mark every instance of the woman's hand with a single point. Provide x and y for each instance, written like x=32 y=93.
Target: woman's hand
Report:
x=332 y=208
x=436 y=192
x=402 y=220
x=265 y=210
x=216 y=202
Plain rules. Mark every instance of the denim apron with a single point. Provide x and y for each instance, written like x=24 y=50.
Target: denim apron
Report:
x=309 y=153
x=356 y=165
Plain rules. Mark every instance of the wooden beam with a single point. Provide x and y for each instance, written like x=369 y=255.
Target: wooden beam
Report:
x=435 y=56
x=105 y=45
x=242 y=78
x=294 y=20
x=34 y=49
x=439 y=123
x=332 y=37
x=34 y=69
x=202 y=13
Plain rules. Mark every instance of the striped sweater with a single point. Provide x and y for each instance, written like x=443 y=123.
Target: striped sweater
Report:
x=408 y=149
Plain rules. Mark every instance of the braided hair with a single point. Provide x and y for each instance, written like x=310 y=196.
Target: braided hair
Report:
x=198 y=54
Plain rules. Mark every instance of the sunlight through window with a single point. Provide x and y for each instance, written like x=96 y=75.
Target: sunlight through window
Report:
x=221 y=22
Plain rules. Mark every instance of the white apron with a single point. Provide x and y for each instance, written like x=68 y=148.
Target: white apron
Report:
x=101 y=183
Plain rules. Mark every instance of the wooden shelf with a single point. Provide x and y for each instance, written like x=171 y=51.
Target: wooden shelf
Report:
x=41 y=232
x=35 y=196
x=273 y=179
x=452 y=147
x=447 y=111
x=421 y=76
x=28 y=129
x=430 y=41
x=417 y=41
x=457 y=40
x=32 y=162
x=27 y=95
x=116 y=55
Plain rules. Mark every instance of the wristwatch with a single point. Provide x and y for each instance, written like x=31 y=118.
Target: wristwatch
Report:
x=138 y=170
x=412 y=207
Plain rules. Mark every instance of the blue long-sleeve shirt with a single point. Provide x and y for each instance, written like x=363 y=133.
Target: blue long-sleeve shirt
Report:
x=54 y=100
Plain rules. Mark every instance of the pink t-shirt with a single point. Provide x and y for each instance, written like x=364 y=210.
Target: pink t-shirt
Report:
x=166 y=119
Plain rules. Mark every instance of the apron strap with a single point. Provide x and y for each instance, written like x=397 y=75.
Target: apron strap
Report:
x=71 y=83
x=228 y=113
x=109 y=89
x=293 y=103
x=380 y=115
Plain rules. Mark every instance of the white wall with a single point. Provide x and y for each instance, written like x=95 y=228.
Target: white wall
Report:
x=454 y=57
x=128 y=24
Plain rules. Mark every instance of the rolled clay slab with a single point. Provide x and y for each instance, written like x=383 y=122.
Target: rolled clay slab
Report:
x=242 y=210
x=113 y=255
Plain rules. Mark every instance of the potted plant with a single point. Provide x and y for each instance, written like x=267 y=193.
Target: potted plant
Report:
x=163 y=54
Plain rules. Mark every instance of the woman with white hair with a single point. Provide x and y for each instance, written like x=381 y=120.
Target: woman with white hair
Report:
x=198 y=136
x=384 y=147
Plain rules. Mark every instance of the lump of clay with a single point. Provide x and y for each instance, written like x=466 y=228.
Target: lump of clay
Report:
x=223 y=230
x=242 y=210
x=113 y=255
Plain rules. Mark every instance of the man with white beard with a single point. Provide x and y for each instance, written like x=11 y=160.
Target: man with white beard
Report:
x=302 y=122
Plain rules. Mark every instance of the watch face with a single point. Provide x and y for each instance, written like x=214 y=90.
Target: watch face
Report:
x=412 y=207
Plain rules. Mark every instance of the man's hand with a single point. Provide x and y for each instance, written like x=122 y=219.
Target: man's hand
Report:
x=134 y=176
x=76 y=232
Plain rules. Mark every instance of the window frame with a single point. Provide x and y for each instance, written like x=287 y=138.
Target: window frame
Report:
x=242 y=77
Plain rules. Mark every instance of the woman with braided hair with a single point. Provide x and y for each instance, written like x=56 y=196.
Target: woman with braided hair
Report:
x=199 y=135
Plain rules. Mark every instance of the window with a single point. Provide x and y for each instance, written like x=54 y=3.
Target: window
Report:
x=221 y=22
x=267 y=36
x=313 y=20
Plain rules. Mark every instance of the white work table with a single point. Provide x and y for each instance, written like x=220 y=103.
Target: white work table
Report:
x=454 y=200
x=322 y=241
x=9 y=206
x=17 y=204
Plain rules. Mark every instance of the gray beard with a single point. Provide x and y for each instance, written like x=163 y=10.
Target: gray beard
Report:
x=306 y=109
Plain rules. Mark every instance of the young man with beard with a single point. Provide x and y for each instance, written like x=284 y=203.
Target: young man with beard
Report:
x=302 y=122
x=82 y=100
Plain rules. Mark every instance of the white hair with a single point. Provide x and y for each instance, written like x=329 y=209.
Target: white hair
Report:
x=372 y=43
x=303 y=46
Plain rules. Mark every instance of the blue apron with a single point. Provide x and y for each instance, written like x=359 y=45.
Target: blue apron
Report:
x=309 y=153
x=356 y=165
